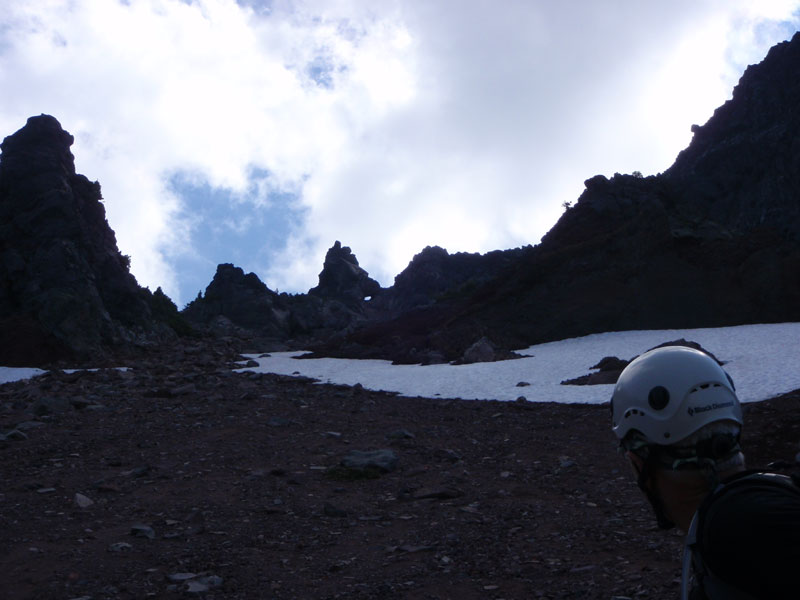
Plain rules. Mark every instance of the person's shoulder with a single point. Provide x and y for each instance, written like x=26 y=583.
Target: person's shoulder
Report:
x=749 y=531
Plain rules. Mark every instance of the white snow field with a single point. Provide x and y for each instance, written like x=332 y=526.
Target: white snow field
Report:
x=8 y=374
x=763 y=360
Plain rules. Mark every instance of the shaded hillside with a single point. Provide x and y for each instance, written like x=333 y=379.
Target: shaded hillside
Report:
x=715 y=240
x=65 y=288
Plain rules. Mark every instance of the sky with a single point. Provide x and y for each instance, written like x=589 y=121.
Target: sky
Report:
x=259 y=132
x=754 y=356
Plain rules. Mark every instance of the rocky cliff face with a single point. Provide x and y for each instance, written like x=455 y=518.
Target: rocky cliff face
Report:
x=65 y=289
x=435 y=275
x=713 y=241
x=343 y=279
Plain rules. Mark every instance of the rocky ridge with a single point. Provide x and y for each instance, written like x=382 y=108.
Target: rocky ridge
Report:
x=712 y=241
x=65 y=289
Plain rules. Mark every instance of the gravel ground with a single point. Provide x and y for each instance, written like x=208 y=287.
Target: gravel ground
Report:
x=181 y=478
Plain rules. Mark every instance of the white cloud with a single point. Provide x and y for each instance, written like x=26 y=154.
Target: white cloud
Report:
x=398 y=124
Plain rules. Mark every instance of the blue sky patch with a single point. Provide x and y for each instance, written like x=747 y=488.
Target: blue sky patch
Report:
x=248 y=229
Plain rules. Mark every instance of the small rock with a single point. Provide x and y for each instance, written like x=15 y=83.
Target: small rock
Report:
x=143 y=531
x=438 y=494
x=15 y=435
x=79 y=403
x=450 y=455
x=201 y=585
x=49 y=490
x=183 y=390
x=28 y=425
x=137 y=472
x=120 y=547
x=329 y=510
x=401 y=434
x=83 y=501
x=565 y=462
x=179 y=577
x=582 y=569
x=523 y=384
x=384 y=460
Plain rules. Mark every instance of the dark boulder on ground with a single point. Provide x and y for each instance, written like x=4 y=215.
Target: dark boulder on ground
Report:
x=65 y=288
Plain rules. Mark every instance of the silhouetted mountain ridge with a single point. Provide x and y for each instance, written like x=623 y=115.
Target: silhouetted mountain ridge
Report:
x=65 y=289
x=712 y=241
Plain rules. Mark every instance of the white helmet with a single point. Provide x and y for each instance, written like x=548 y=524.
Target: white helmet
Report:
x=669 y=393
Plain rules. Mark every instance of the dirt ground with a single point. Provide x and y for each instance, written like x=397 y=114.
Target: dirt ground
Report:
x=181 y=478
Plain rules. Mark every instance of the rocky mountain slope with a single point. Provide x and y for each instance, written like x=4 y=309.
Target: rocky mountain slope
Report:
x=714 y=240
x=65 y=289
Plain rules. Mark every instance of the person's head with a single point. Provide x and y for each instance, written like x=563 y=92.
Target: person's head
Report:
x=677 y=417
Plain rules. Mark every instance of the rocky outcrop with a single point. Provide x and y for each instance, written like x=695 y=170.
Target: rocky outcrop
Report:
x=243 y=306
x=435 y=275
x=343 y=279
x=65 y=288
x=741 y=171
x=234 y=299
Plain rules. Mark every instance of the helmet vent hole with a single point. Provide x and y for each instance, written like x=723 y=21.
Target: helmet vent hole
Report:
x=658 y=398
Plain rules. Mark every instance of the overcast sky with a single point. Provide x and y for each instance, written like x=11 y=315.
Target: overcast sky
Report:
x=260 y=132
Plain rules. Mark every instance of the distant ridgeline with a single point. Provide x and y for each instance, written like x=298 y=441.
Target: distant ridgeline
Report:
x=712 y=241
